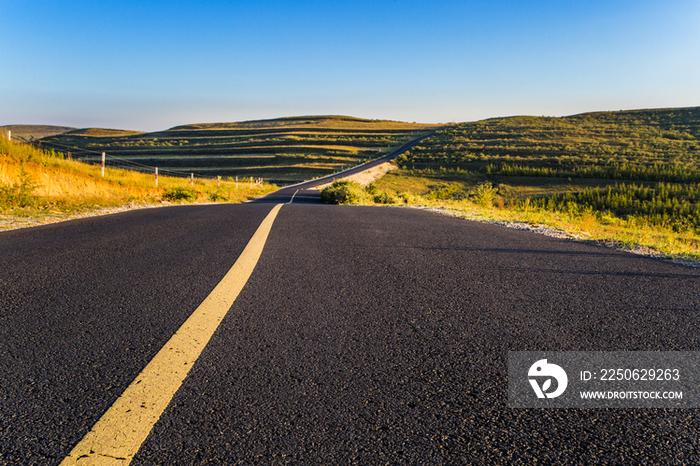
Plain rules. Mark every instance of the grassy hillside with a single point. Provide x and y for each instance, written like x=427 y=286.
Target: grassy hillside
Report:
x=25 y=133
x=628 y=176
x=612 y=143
x=283 y=151
x=35 y=182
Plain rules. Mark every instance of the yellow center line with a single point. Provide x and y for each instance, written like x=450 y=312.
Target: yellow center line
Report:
x=118 y=435
x=292 y=199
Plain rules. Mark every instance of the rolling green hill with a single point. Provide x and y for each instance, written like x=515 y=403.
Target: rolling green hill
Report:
x=282 y=151
x=590 y=145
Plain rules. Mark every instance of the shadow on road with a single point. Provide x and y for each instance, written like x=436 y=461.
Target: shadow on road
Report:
x=294 y=195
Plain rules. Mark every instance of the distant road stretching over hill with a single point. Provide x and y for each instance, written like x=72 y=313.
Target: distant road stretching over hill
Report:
x=282 y=151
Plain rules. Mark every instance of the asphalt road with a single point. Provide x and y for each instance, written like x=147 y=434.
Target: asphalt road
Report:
x=366 y=335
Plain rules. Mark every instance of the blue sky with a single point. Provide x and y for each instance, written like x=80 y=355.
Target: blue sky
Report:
x=150 y=65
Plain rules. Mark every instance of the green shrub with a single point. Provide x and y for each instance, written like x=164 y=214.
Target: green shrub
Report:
x=20 y=194
x=180 y=194
x=384 y=198
x=342 y=192
x=219 y=196
x=483 y=194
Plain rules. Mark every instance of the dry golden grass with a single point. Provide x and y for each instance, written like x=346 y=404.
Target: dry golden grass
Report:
x=66 y=179
x=53 y=184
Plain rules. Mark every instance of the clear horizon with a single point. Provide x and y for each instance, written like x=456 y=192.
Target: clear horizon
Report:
x=153 y=65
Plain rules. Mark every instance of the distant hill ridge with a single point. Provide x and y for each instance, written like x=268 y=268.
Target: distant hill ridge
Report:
x=685 y=118
x=664 y=118
x=318 y=121
x=31 y=132
x=102 y=132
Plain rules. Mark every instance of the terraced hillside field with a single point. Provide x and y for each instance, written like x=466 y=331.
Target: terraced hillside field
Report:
x=282 y=151
x=637 y=144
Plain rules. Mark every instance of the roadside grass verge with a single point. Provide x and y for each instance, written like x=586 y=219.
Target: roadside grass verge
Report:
x=657 y=218
x=36 y=182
